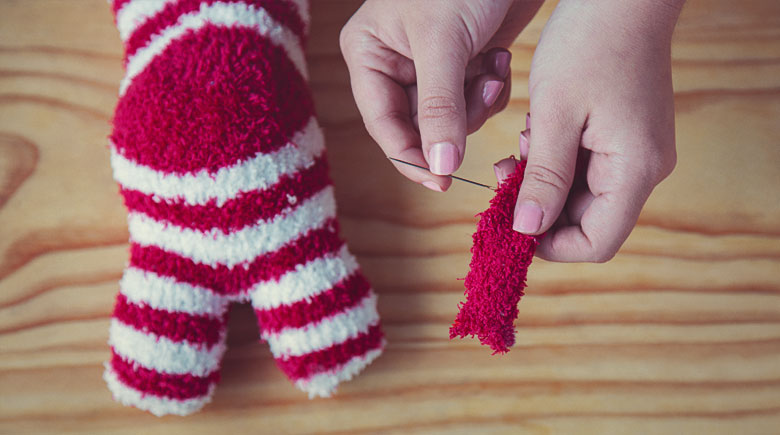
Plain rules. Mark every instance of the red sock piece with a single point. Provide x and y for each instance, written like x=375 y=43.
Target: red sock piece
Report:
x=499 y=264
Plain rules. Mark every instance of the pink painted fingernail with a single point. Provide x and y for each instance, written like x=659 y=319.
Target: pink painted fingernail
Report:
x=524 y=146
x=527 y=120
x=503 y=59
x=490 y=92
x=443 y=158
x=433 y=186
x=528 y=218
x=500 y=175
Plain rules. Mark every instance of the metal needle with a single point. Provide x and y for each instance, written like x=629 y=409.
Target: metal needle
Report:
x=451 y=176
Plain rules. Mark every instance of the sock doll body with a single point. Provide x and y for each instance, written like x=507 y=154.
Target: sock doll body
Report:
x=222 y=167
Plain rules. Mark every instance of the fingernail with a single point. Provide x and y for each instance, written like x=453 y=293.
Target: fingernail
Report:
x=490 y=92
x=527 y=120
x=443 y=158
x=528 y=218
x=502 y=63
x=524 y=146
x=433 y=186
x=500 y=174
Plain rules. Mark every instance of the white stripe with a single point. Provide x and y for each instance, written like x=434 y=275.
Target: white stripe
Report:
x=166 y=293
x=225 y=14
x=214 y=247
x=324 y=384
x=162 y=354
x=258 y=172
x=325 y=333
x=135 y=13
x=303 y=11
x=157 y=405
x=306 y=281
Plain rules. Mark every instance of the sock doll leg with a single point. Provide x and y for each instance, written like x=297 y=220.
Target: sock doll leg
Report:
x=314 y=306
x=167 y=339
x=220 y=159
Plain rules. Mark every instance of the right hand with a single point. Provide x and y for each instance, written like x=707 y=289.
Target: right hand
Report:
x=425 y=73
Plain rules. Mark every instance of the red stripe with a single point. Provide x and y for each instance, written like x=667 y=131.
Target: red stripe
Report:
x=147 y=381
x=222 y=280
x=211 y=99
x=284 y=13
x=117 y=5
x=178 y=326
x=343 y=296
x=306 y=366
x=245 y=209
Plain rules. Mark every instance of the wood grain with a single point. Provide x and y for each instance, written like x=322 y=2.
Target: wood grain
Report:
x=680 y=333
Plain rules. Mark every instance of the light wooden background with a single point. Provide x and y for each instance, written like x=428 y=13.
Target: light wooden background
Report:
x=680 y=333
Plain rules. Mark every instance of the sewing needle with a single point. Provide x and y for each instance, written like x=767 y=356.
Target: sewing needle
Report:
x=451 y=176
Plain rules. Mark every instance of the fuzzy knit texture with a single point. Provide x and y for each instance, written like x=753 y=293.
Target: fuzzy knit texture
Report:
x=221 y=164
x=500 y=258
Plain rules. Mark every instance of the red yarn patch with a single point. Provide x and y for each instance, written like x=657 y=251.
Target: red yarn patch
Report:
x=214 y=97
x=496 y=279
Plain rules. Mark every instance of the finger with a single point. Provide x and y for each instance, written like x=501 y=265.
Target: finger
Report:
x=481 y=96
x=525 y=144
x=411 y=95
x=605 y=224
x=481 y=102
x=549 y=172
x=496 y=60
x=440 y=62
x=504 y=168
x=384 y=106
x=602 y=215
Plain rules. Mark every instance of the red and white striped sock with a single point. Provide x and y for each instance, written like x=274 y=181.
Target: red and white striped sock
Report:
x=222 y=167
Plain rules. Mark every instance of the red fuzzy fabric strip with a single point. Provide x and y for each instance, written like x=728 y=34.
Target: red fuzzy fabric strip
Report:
x=496 y=279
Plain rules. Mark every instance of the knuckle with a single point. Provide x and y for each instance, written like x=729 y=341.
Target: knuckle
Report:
x=598 y=251
x=556 y=104
x=353 y=39
x=603 y=256
x=669 y=162
x=657 y=164
x=345 y=37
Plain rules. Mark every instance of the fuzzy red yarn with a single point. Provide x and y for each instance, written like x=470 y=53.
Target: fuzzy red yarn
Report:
x=496 y=279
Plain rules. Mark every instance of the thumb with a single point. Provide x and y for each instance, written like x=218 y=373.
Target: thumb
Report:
x=549 y=172
x=440 y=63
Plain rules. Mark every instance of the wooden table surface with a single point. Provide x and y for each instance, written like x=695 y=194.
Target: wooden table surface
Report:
x=680 y=333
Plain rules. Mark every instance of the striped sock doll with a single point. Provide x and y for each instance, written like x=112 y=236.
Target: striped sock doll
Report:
x=222 y=167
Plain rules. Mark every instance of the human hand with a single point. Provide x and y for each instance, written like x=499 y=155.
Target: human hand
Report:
x=425 y=73
x=603 y=125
